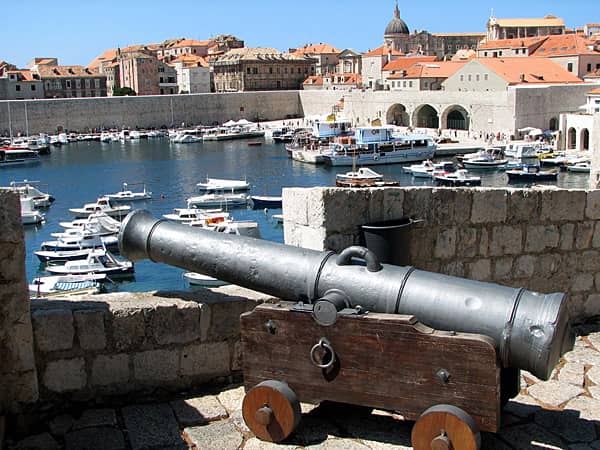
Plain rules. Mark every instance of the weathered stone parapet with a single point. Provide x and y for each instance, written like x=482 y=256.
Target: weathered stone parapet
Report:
x=546 y=240
x=127 y=342
x=18 y=380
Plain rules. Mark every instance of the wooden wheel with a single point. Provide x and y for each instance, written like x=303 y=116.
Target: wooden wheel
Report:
x=271 y=410
x=445 y=427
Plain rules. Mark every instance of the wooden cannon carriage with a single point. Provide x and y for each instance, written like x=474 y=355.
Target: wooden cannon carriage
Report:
x=451 y=384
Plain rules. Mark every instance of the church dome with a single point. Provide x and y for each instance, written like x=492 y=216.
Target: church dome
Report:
x=396 y=25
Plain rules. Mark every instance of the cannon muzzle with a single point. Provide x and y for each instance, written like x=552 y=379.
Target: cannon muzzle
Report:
x=531 y=330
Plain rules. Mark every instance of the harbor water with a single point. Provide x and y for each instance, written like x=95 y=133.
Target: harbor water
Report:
x=80 y=172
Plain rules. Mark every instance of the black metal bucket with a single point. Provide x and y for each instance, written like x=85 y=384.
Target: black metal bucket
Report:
x=389 y=240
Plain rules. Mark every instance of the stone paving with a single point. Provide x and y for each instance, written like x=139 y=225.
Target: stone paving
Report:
x=562 y=413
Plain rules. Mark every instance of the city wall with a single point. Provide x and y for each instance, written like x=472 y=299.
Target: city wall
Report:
x=83 y=114
x=546 y=240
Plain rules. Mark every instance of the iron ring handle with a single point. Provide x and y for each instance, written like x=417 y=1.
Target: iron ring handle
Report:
x=323 y=343
x=345 y=258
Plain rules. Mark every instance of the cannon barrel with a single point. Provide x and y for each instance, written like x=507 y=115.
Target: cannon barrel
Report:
x=531 y=330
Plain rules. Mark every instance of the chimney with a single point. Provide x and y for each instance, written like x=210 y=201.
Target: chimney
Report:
x=522 y=77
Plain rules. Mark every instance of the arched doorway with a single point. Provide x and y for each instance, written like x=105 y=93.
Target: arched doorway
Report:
x=455 y=118
x=571 y=139
x=397 y=115
x=553 y=124
x=584 y=140
x=426 y=116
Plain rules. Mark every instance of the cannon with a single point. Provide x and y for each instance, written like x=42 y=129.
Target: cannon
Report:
x=360 y=310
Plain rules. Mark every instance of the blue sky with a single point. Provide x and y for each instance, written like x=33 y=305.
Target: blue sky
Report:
x=78 y=31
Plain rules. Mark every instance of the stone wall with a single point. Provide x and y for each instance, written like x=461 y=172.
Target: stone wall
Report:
x=124 y=343
x=18 y=380
x=152 y=111
x=546 y=240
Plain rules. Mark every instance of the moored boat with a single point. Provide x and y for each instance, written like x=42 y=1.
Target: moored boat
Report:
x=98 y=261
x=580 y=167
x=220 y=199
x=266 y=201
x=12 y=156
x=30 y=215
x=459 y=177
x=531 y=172
x=221 y=184
x=104 y=205
x=126 y=195
x=197 y=279
x=57 y=285
x=31 y=189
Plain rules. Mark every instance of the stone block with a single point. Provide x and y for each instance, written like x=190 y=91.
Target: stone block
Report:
x=480 y=270
x=295 y=205
x=43 y=441
x=567 y=236
x=589 y=261
x=584 y=235
x=592 y=207
x=53 y=329
x=65 y=375
x=205 y=360
x=418 y=204
x=467 y=242
x=489 y=206
x=339 y=217
x=61 y=424
x=152 y=426
x=548 y=264
x=524 y=266
x=583 y=282
x=393 y=203
x=452 y=268
x=445 y=244
x=523 y=205
x=221 y=434
x=17 y=388
x=502 y=268
x=506 y=240
x=110 y=369
x=484 y=243
x=562 y=204
x=306 y=237
x=10 y=216
x=100 y=438
x=237 y=357
x=90 y=329
x=92 y=418
x=175 y=323
x=444 y=207
x=225 y=312
x=591 y=306
x=596 y=236
x=232 y=399
x=338 y=242
x=554 y=393
x=155 y=366
x=572 y=373
x=128 y=328
x=197 y=411
x=541 y=237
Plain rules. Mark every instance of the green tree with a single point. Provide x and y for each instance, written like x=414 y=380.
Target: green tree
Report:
x=117 y=92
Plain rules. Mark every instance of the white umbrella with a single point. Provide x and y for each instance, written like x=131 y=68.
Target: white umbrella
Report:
x=536 y=132
x=243 y=122
x=230 y=123
x=527 y=129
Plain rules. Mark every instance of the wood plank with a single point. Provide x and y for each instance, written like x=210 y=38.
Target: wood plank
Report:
x=385 y=361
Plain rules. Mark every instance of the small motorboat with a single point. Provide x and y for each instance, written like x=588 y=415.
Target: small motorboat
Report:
x=58 y=285
x=362 y=174
x=63 y=255
x=223 y=185
x=581 y=167
x=30 y=215
x=532 y=172
x=98 y=222
x=98 y=261
x=79 y=241
x=427 y=168
x=104 y=205
x=197 y=215
x=484 y=160
x=32 y=189
x=222 y=200
x=197 y=279
x=126 y=195
x=266 y=201
x=459 y=177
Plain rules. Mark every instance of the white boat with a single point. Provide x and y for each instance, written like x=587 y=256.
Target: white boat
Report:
x=219 y=199
x=99 y=222
x=459 y=177
x=376 y=145
x=318 y=155
x=197 y=279
x=98 y=261
x=580 y=167
x=78 y=241
x=427 y=168
x=57 y=285
x=248 y=228
x=220 y=184
x=104 y=205
x=11 y=156
x=126 y=195
x=492 y=158
x=522 y=150
x=62 y=255
x=184 y=138
x=32 y=189
x=230 y=133
x=197 y=216
x=30 y=215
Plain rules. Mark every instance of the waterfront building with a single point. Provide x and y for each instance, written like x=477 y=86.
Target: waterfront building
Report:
x=193 y=74
x=20 y=85
x=143 y=72
x=68 y=81
x=577 y=129
x=422 y=76
x=334 y=81
x=522 y=28
x=172 y=49
x=259 y=69
x=574 y=52
x=349 y=61
x=325 y=55
x=373 y=63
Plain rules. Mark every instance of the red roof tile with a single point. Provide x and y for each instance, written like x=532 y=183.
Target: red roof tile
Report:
x=532 y=70
x=403 y=63
x=383 y=51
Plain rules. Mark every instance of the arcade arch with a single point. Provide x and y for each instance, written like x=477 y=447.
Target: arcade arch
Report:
x=456 y=117
x=553 y=126
x=425 y=116
x=584 y=139
x=397 y=115
x=571 y=139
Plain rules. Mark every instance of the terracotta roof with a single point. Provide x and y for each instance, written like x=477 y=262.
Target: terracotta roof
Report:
x=565 y=44
x=403 y=63
x=190 y=61
x=513 y=43
x=65 y=71
x=24 y=75
x=594 y=91
x=345 y=78
x=314 y=80
x=438 y=69
x=191 y=43
x=548 y=21
x=383 y=51
x=318 y=49
x=534 y=70
x=108 y=55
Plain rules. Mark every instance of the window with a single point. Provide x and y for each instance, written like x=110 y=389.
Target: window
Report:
x=248 y=70
x=570 y=67
x=410 y=84
x=485 y=77
x=78 y=84
x=589 y=67
x=485 y=54
x=255 y=70
x=469 y=77
x=33 y=87
x=97 y=83
x=477 y=77
x=270 y=70
x=68 y=84
x=17 y=87
x=462 y=78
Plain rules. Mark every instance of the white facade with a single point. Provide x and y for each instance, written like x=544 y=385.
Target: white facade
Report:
x=192 y=80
